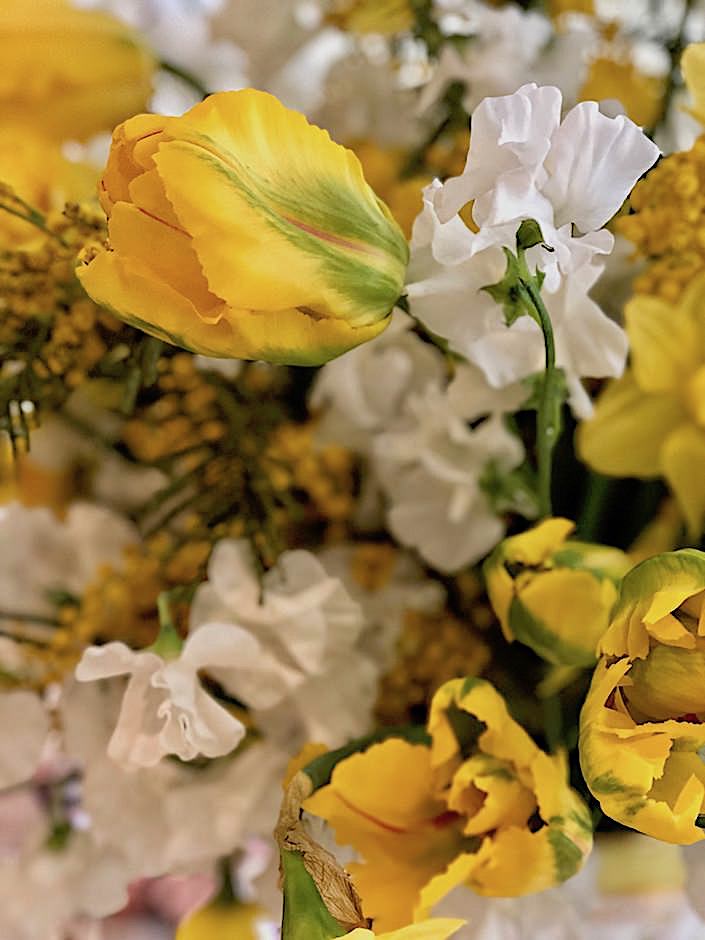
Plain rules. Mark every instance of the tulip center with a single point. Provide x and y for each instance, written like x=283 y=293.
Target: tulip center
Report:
x=669 y=683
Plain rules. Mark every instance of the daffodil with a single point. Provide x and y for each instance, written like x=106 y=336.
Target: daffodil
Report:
x=241 y=230
x=482 y=806
x=643 y=722
x=651 y=422
x=553 y=594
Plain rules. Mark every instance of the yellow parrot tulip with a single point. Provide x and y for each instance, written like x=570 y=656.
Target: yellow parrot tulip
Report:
x=241 y=230
x=642 y=726
x=553 y=594
x=483 y=807
x=70 y=72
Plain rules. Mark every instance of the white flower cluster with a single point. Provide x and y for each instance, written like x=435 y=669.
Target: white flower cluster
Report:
x=569 y=175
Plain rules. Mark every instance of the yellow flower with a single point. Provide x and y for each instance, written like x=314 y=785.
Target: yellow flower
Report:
x=651 y=422
x=37 y=171
x=552 y=594
x=693 y=69
x=483 y=806
x=642 y=724
x=240 y=230
x=618 y=78
x=70 y=72
x=222 y=921
x=434 y=929
x=384 y=17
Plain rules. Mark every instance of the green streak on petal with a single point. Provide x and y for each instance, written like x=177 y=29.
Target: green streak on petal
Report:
x=567 y=857
x=535 y=634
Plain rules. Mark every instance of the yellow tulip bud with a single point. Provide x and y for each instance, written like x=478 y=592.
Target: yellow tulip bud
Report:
x=71 y=72
x=241 y=230
x=223 y=921
x=642 y=726
x=552 y=594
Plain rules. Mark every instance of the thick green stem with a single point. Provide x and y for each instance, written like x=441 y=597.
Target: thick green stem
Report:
x=548 y=416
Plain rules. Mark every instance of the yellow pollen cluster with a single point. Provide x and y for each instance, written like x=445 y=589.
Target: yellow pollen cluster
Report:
x=323 y=473
x=667 y=225
x=431 y=649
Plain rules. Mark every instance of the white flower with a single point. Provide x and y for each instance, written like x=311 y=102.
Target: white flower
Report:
x=24 y=725
x=390 y=587
x=42 y=553
x=364 y=391
x=164 y=709
x=305 y=626
x=571 y=177
x=433 y=469
x=502 y=48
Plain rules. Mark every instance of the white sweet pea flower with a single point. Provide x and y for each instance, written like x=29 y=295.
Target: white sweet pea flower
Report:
x=500 y=53
x=364 y=391
x=24 y=725
x=307 y=676
x=433 y=469
x=571 y=177
x=164 y=709
x=42 y=553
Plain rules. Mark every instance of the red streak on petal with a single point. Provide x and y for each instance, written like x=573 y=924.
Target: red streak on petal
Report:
x=174 y=228
x=332 y=239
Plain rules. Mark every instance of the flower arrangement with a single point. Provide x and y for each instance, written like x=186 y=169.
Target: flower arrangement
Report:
x=352 y=469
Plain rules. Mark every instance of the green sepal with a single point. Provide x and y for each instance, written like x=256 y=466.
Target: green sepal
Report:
x=305 y=915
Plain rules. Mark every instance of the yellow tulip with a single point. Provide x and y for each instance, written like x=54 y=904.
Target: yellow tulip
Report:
x=651 y=422
x=693 y=69
x=483 y=807
x=641 y=95
x=37 y=171
x=71 y=72
x=643 y=721
x=552 y=594
x=384 y=17
x=434 y=929
x=222 y=921
x=241 y=230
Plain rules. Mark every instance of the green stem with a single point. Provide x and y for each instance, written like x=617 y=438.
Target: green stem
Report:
x=548 y=416
x=185 y=76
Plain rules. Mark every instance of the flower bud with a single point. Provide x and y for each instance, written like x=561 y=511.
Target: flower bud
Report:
x=71 y=72
x=241 y=230
x=642 y=725
x=552 y=594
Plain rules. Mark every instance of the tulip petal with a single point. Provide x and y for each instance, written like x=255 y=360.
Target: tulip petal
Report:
x=664 y=342
x=129 y=290
x=304 y=211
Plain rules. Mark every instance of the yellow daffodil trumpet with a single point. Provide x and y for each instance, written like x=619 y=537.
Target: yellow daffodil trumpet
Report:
x=241 y=230
x=642 y=726
x=554 y=594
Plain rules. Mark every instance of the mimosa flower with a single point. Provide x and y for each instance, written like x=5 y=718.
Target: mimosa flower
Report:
x=553 y=594
x=240 y=230
x=643 y=722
